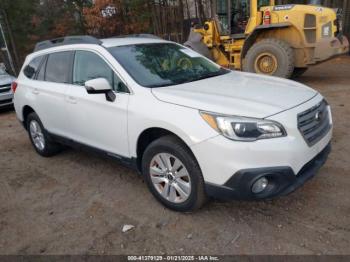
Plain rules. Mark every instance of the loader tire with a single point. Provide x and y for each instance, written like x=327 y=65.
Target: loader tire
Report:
x=270 y=57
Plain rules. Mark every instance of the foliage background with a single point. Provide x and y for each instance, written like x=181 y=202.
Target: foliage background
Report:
x=28 y=21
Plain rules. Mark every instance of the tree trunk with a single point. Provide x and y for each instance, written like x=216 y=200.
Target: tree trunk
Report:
x=12 y=41
x=201 y=11
x=188 y=10
x=181 y=19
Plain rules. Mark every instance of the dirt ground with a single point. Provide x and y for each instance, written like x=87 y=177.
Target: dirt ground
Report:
x=77 y=203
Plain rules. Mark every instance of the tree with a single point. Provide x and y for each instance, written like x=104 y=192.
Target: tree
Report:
x=113 y=17
x=17 y=16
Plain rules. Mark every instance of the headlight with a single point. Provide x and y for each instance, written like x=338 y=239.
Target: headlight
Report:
x=243 y=128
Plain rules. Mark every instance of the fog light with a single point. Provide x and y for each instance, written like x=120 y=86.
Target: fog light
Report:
x=260 y=185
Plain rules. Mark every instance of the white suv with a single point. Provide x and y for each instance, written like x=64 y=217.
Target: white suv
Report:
x=192 y=128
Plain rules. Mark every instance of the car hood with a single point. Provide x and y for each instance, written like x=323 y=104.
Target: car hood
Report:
x=6 y=79
x=238 y=93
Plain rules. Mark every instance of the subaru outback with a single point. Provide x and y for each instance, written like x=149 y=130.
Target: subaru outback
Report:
x=192 y=128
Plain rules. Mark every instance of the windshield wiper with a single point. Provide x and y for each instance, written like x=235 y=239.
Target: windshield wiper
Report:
x=161 y=85
x=178 y=82
x=222 y=71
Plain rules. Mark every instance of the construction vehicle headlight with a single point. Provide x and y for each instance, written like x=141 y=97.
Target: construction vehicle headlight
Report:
x=243 y=128
x=326 y=30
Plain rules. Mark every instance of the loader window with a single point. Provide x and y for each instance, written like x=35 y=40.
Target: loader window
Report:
x=233 y=15
x=164 y=64
x=262 y=3
x=240 y=13
x=222 y=13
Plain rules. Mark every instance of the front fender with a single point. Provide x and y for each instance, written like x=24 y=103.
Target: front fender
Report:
x=184 y=122
x=250 y=40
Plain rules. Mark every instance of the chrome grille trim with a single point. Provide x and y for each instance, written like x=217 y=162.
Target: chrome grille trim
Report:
x=5 y=88
x=314 y=123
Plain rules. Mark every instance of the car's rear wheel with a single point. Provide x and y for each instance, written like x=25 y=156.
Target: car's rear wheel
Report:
x=39 y=137
x=173 y=175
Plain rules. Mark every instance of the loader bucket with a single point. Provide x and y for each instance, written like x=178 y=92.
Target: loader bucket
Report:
x=194 y=42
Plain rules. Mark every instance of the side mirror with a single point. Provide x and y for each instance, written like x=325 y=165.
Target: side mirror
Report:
x=100 y=86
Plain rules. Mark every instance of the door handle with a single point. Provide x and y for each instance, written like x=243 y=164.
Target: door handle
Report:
x=35 y=91
x=71 y=100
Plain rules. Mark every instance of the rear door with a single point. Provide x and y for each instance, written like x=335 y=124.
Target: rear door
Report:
x=50 y=87
x=93 y=120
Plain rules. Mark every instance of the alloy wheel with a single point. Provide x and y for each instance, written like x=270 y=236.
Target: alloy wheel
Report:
x=170 y=178
x=37 y=135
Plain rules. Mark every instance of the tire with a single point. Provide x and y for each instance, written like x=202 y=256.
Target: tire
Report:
x=42 y=142
x=298 y=72
x=175 y=197
x=278 y=54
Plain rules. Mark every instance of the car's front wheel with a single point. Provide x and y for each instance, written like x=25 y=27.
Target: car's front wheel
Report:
x=39 y=137
x=173 y=175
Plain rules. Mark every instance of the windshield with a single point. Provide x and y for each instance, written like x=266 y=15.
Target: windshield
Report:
x=164 y=64
x=2 y=72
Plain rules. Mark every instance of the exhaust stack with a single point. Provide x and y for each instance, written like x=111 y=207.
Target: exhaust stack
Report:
x=314 y=2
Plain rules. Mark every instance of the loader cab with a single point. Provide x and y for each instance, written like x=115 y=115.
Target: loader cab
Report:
x=236 y=17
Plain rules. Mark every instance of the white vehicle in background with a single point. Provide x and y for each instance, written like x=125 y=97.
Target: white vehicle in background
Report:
x=6 y=94
x=192 y=128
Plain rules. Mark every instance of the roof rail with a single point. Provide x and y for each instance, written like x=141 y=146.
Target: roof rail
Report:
x=68 y=40
x=140 y=35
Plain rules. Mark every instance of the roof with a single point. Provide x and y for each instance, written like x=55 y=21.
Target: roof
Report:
x=110 y=42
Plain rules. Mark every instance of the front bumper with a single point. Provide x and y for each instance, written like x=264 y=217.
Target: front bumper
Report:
x=221 y=160
x=282 y=180
x=330 y=47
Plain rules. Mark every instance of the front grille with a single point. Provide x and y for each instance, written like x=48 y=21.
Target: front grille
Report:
x=310 y=21
x=310 y=36
x=314 y=123
x=7 y=101
x=310 y=28
x=5 y=88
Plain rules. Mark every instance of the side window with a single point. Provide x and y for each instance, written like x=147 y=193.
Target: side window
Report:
x=31 y=69
x=58 y=67
x=88 y=65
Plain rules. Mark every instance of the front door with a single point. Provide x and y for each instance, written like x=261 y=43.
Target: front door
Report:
x=94 y=121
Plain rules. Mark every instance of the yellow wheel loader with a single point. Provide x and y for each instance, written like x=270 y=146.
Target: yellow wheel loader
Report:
x=261 y=37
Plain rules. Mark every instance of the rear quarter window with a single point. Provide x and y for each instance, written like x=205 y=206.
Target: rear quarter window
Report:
x=32 y=68
x=41 y=74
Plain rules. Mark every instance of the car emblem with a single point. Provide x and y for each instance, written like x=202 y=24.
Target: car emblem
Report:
x=319 y=116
